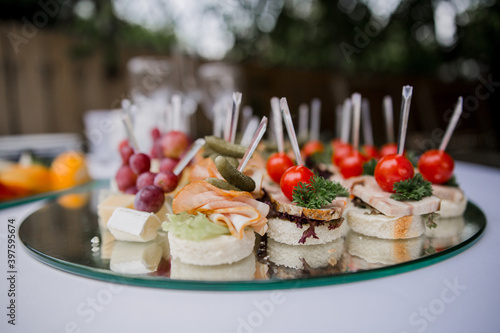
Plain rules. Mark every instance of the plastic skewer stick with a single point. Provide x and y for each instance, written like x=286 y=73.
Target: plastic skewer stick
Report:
x=249 y=131
x=346 y=120
x=259 y=133
x=247 y=114
x=389 y=119
x=232 y=122
x=356 y=102
x=338 y=120
x=453 y=123
x=303 y=121
x=291 y=131
x=405 y=113
x=278 y=124
x=315 y=119
x=192 y=151
x=366 y=122
x=126 y=106
x=176 y=112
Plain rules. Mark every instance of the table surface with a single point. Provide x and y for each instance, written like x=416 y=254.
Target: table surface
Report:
x=460 y=294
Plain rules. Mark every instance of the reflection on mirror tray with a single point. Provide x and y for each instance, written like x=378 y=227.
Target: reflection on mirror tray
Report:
x=74 y=240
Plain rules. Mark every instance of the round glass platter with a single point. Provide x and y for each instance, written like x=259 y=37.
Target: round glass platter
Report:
x=65 y=234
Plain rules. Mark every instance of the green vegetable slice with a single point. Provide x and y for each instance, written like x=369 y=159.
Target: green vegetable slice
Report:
x=193 y=227
x=233 y=176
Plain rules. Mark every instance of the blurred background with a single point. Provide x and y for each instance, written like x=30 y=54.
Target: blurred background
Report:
x=65 y=64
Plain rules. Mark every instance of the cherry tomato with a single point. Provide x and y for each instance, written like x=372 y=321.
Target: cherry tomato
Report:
x=436 y=166
x=277 y=164
x=392 y=169
x=292 y=177
x=312 y=147
x=342 y=150
x=352 y=164
x=370 y=152
x=388 y=148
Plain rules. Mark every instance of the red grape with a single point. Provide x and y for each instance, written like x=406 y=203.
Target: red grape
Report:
x=131 y=190
x=166 y=180
x=145 y=179
x=155 y=133
x=150 y=199
x=174 y=143
x=168 y=164
x=125 y=152
x=140 y=163
x=125 y=177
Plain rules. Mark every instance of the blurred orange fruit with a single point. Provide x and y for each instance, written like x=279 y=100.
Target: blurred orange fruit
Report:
x=31 y=179
x=69 y=169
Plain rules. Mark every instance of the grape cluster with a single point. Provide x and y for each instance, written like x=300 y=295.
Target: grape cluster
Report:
x=135 y=177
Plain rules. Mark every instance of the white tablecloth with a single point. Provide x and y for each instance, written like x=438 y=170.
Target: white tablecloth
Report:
x=461 y=294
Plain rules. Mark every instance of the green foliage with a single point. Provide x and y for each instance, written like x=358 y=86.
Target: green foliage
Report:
x=318 y=193
x=415 y=188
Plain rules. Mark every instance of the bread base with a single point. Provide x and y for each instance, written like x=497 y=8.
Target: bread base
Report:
x=287 y=232
x=382 y=226
x=450 y=209
x=224 y=249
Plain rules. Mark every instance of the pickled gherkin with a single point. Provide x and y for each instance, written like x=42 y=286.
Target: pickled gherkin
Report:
x=233 y=176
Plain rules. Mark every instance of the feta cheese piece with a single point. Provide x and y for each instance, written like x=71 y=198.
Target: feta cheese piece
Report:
x=132 y=225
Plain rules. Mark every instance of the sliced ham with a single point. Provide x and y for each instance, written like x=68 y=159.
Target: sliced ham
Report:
x=234 y=209
x=204 y=169
x=283 y=205
x=448 y=193
x=369 y=191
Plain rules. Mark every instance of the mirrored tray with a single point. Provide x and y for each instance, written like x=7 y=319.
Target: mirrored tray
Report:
x=65 y=234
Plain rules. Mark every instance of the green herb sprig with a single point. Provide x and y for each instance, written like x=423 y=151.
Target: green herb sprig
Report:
x=318 y=193
x=452 y=182
x=412 y=189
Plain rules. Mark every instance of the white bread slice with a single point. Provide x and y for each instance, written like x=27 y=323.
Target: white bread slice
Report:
x=453 y=200
x=384 y=251
x=242 y=270
x=287 y=232
x=382 y=226
x=451 y=209
x=316 y=256
x=224 y=249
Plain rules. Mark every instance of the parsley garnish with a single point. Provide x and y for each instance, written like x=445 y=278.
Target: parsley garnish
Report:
x=452 y=182
x=429 y=220
x=324 y=157
x=369 y=167
x=412 y=189
x=318 y=193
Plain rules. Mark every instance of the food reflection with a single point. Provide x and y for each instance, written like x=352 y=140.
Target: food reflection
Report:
x=383 y=251
x=135 y=258
x=448 y=233
x=239 y=271
x=296 y=261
